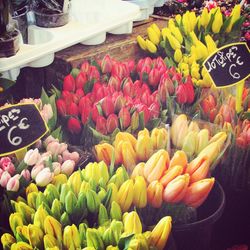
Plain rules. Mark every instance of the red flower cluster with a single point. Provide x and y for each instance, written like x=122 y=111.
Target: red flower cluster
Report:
x=114 y=99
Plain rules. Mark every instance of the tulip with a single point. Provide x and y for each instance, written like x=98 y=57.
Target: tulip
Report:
x=235 y=15
x=125 y=118
x=39 y=216
x=72 y=109
x=156 y=165
x=107 y=106
x=93 y=201
x=69 y=233
x=140 y=197
x=53 y=227
x=114 y=188
x=50 y=241
x=139 y=241
x=154 y=110
x=154 y=37
x=31 y=157
x=151 y=46
x=218 y=21
x=104 y=152
x=35 y=236
x=54 y=148
x=84 y=104
x=154 y=194
x=171 y=174
x=59 y=179
x=94 y=74
x=159 y=138
x=21 y=246
x=205 y=17
x=31 y=188
x=74 y=125
x=189 y=143
x=125 y=195
x=112 y=123
x=154 y=77
x=144 y=147
x=160 y=233
x=68 y=167
x=13 y=184
x=35 y=170
x=132 y=223
x=141 y=42
x=115 y=82
x=15 y=220
x=198 y=191
x=85 y=67
x=181 y=94
x=176 y=189
x=101 y=125
x=211 y=151
x=202 y=140
x=138 y=170
x=94 y=239
x=135 y=120
x=211 y=45
x=74 y=181
x=117 y=70
x=7 y=240
x=166 y=87
x=31 y=199
x=143 y=109
x=7 y=165
x=44 y=177
x=178 y=55
x=5 y=179
x=69 y=83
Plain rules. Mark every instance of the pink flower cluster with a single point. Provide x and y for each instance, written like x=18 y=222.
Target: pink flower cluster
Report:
x=115 y=99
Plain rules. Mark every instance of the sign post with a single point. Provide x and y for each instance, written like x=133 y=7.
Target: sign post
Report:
x=230 y=65
x=21 y=125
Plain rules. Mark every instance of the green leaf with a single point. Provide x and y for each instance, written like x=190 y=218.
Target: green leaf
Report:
x=106 y=199
x=209 y=26
x=112 y=164
x=74 y=72
x=141 y=121
x=225 y=25
x=22 y=165
x=44 y=97
x=124 y=242
x=52 y=121
x=153 y=123
x=88 y=86
x=57 y=133
x=97 y=135
x=55 y=91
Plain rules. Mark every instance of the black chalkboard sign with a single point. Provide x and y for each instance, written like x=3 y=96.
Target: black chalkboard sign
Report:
x=20 y=126
x=229 y=65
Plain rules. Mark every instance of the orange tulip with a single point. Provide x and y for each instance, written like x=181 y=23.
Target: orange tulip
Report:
x=179 y=158
x=176 y=189
x=198 y=168
x=104 y=152
x=198 y=191
x=170 y=174
x=156 y=165
x=138 y=170
x=154 y=194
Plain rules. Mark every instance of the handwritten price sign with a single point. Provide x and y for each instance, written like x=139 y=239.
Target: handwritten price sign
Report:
x=21 y=125
x=229 y=65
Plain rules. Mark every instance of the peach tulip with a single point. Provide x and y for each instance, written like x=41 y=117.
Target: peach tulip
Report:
x=179 y=158
x=171 y=174
x=154 y=194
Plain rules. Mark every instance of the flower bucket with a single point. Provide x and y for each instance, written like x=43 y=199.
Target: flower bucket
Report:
x=197 y=235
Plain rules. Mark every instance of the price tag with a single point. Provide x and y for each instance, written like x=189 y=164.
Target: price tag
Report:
x=21 y=125
x=229 y=65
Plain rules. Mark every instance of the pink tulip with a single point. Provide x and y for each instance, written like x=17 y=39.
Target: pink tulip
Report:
x=74 y=125
x=115 y=82
x=79 y=93
x=32 y=157
x=68 y=167
x=130 y=65
x=125 y=118
x=61 y=107
x=85 y=67
x=117 y=70
x=47 y=112
x=60 y=159
x=86 y=112
x=154 y=77
x=106 y=64
x=63 y=147
x=4 y=179
x=1 y=172
x=73 y=109
x=81 y=80
x=119 y=102
x=84 y=103
x=26 y=174
x=69 y=83
x=7 y=165
x=144 y=72
x=154 y=110
x=94 y=74
x=160 y=63
x=35 y=170
x=112 y=123
x=56 y=168
x=95 y=112
x=13 y=184
x=139 y=65
x=44 y=157
x=75 y=157
x=44 y=177
x=66 y=155
x=144 y=109
x=49 y=139
x=181 y=94
x=54 y=148
x=108 y=106
x=101 y=125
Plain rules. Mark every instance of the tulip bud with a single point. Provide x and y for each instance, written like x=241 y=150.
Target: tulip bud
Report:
x=198 y=191
x=13 y=184
x=101 y=125
x=154 y=77
x=59 y=179
x=5 y=177
x=153 y=36
x=44 y=177
x=69 y=83
x=112 y=123
x=68 y=167
x=7 y=240
x=141 y=42
x=53 y=227
x=151 y=46
x=140 y=197
x=31 y=188
x=124 y=117
x=35 y=236
x=31 y=157
x=171 y=174
x=50 y=241
x=160 y=233
x=71 y=237
x=235 y=15
x=125 y=195
x=132 y=223
x=74 y=125
x=159 y=138
x=154 y=194
x=15 y=220
x=176 y=189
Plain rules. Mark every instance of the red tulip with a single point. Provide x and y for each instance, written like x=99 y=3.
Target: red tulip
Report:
x=61 y=107
x=94 y=73
x=126 y=72
x=177 y=77
x=165 y=87
x=146 y=98
x=119 y=103
x=106 y=64
x=227 y=113
x=154 y=77
x=128 y=87
x=69 y=83
x=125 y=118
x=130 y=65
x=95 y=112
x=154 y=110
x=83 y=103
x=86 y=111
x=117 y=70
x=148 y=62
x=161 y=70
x=208 y=104
x=144 y=72
x=107 y=106
x=139 y=65
x=85 y=67
x=190 y=92
x=115 y=82
x=73 y=109
x=138 y=84
x=74 y=125
x=181 y=94
x=143 y=108
x=112 y=123
x=160 y=63
x=101 y=125
x=81 y=80
x=145 y=88
x=79 y=93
